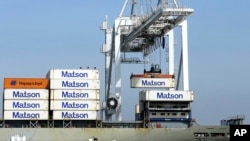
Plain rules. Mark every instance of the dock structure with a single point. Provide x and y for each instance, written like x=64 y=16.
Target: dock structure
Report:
x=234 y=120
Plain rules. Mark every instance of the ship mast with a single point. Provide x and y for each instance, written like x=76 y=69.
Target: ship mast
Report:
x=148 y=23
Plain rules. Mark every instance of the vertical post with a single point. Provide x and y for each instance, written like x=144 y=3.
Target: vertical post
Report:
x=108 y=62
x=107 y=50
x=185 y=55
x=171 y=52
x=118 y=64
x=108 y=66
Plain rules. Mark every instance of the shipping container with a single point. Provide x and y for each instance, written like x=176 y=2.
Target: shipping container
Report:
x=26 y=115
x=74 y=105
x=73 y=74
x=22 y=105
x=159 y=95
x=38 y=94
x=136 y=82
x=75 y=84
x=75 y=115
x=26 y=83
x=75 y=94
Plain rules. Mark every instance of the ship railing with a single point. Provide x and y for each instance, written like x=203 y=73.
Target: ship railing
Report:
x=173 y=109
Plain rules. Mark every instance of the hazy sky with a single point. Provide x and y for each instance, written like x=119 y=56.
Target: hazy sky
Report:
x=37 y=35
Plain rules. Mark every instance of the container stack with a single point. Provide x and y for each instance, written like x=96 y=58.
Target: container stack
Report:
x=26 y=98
x=74 y=94
x=159 y=103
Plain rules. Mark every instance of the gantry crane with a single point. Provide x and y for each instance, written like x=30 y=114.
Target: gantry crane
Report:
x=149 y=22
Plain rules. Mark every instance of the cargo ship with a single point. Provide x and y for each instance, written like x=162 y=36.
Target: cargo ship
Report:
x=66 y=105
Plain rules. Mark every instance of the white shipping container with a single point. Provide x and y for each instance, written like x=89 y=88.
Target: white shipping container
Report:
x=75 y=94
x=158 y=95
x=73 y=74
x=26 y=115
x=22 y=105
x=26 y=94
x=136 y=82
x=75 y=115
x=75 y=84
x=74 y=105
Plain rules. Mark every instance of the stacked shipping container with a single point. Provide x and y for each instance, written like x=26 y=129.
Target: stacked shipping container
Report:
x=26 y=98
x=74 y=94
x=161 y=105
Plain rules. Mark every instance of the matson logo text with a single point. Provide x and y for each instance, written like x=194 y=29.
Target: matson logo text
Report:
x=25 y=94
x=66 y=105
x=66 y=94
x=152 y=83
x=25 y=115
x=74 y=74
x=74 y=115
x=20 y=105
x=75 y=84
x=161 y=95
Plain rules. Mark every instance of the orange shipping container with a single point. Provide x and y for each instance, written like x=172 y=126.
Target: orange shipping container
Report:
x=26 y=83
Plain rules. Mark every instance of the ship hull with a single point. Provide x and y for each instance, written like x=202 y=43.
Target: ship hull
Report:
x=118 y=134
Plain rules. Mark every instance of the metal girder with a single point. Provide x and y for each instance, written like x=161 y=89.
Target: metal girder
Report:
x=140 y=28
x=156 y=25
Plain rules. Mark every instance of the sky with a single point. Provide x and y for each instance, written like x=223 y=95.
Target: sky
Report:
x=37 y=35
